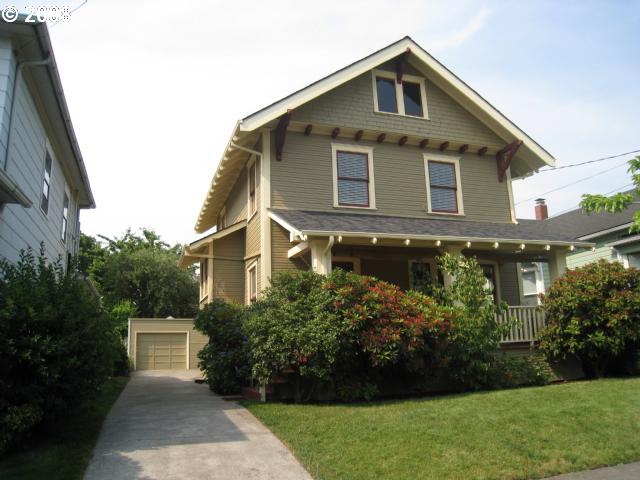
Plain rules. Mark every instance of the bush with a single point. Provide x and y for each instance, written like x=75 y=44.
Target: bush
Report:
x=508 y=371
x=474 y=335
x=56 y=344
x=225 y=359
x=593 y=312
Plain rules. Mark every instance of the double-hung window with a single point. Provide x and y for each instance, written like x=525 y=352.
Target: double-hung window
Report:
x=65 y=217
x=46 y=184
x=252 y=283
x=443 y=185
x=407 y=98
x=353 y=176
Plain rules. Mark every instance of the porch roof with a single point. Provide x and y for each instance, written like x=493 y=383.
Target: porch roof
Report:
x=314 y=223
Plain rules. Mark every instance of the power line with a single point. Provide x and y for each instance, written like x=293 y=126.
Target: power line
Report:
x=589 y=161
x=615 y=190
x=570 y=184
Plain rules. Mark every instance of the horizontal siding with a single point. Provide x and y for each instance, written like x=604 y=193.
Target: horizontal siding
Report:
x=21 y=227
x=280 y=246
x=509 y=283
x=196 y=339
x=351 y=105
x=228 y=271
x=237 y=200
x=582 y=258
x=303 y=180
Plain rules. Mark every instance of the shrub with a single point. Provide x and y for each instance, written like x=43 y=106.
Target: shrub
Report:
x=225 y=358
x=56 y=344
x=474 y=335
x=508 y=371
x=593 y=312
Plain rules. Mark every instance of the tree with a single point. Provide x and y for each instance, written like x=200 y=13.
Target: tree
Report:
x=618 y=202
x=139 y=273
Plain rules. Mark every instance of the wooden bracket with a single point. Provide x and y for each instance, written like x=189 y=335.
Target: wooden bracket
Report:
x=424 y=143
x=358 y=135
x=401 y=65
x=444 y=146
x=482 y=151
x=463 y=148
x=335 y=133
x=307 y=130
x=504 y=157
x=403 y=140
x=381 y=137
x=281 y=133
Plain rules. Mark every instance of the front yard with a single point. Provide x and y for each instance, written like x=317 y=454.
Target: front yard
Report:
x=522 y=433
x=65 y=454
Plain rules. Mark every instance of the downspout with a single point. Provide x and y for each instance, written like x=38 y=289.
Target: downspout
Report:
x=324 y=254
x=16 y=78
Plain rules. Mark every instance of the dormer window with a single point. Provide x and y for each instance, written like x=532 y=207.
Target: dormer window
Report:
x=407 y=98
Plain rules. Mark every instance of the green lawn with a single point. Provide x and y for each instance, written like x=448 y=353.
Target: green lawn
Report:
x=65 y=454
x=523 y=433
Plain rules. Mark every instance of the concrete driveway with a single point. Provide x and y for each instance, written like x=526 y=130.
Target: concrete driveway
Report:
x=165 y=426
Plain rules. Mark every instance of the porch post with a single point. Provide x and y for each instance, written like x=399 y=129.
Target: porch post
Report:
x=454 y=250
x=557 y=263
x=321 y=255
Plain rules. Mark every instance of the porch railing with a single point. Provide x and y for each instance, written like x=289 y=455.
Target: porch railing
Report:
x=530 y=320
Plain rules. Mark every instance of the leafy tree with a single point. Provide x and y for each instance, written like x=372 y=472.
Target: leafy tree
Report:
x=618 y=202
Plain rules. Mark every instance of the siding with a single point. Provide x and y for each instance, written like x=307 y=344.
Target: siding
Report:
x=228 y=273
x=26 y=227
x=351 y=104
x=237 y=200
x=582 y=258
x=509 y=283
x=303 y=180
x=280 y=246
x=196 y=339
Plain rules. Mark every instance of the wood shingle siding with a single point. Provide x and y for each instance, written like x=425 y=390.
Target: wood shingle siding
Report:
x=303 y=180
x=351 y=105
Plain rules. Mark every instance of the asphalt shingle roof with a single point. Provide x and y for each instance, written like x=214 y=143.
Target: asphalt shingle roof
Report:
x=345 y=222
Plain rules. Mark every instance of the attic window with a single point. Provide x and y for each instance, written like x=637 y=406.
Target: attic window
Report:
x=407 y=98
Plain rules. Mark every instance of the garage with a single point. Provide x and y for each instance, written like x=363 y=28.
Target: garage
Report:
x=164 y=343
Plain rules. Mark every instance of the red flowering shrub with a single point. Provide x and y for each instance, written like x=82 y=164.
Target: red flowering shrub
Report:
x=593 y=312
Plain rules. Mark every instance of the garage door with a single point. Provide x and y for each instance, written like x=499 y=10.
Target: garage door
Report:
x=161 y=351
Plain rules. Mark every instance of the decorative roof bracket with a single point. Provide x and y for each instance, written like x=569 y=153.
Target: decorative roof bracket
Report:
x=281 y=133
x=504 y=157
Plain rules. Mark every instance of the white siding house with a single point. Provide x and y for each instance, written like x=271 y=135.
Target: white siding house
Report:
x=43 y=181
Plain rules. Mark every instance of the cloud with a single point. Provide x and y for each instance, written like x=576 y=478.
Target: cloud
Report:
x=458 y=37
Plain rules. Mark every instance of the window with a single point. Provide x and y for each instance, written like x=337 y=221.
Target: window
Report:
x=443 y=185
x=252 y=282
x=490 y=274
x=348 y=264
x=253 y=204
x=353 y=176
x=65 y=217
x=407 y=98
x=46 y=184
x=424 y=275
x=532 y=282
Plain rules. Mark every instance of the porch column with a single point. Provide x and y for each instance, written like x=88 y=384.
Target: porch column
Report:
x=454 y=250
x=210 y=272
x=321 y=255
x=557 y=263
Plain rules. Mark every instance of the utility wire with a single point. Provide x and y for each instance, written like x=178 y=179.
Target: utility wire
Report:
x=615 y=190
x=589 y=161
x=602 y=172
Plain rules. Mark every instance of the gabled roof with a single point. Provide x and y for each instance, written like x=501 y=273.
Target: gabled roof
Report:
x=531 y=156
x=582 y=225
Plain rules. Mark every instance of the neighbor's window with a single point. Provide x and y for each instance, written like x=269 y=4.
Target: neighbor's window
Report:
x=65 y=217
x=253 y=283
x=353 y=178
x=46 y=184
x=444 y=196
x=407 y=98
x=252 y=188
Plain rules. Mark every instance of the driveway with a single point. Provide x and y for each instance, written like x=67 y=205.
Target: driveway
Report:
x=165 y=426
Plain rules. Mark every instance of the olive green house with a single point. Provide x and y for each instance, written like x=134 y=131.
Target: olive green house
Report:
x=377 y=168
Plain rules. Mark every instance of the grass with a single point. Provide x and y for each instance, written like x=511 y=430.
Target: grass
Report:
x=509 y=434
x=65 y=454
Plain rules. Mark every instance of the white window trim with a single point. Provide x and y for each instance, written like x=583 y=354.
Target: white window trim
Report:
x=357 y=265
x=44 y=169
x=335 y=147
x=537 y=269
x=253 y=265
x=252 y=164
x=399 y=93
x=67 y=192
x=456 y=163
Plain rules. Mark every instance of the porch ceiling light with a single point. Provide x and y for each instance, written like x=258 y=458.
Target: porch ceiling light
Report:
x=339 y=238
x=374 y=240
x=407 y=242
x=468 y=244
x=522 y=246
x=572 y=248
x=496 y=244
x=438 y=243
x=547 y=247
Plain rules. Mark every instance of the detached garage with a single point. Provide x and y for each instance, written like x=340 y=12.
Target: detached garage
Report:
x=164 y=343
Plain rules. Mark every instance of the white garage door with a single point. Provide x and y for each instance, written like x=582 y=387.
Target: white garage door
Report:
x=161 y=351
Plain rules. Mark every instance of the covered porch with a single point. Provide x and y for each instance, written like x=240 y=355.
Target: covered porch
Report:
x=403 y=251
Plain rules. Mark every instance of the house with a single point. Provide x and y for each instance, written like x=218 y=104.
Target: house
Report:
x=609 y=232
x=377 y=168
x=43 y=180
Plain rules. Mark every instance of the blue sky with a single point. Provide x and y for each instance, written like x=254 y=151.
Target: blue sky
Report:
x=155 y=87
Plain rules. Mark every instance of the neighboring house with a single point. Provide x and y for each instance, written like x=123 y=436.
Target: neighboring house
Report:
x=377 y=168
x=43 y=181
x=609 y=232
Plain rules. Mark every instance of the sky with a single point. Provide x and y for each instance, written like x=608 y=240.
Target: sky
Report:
x=154 y=88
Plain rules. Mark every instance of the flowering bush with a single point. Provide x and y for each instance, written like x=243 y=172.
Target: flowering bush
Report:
x=593 y=312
